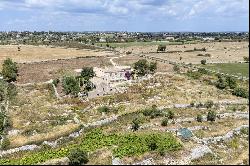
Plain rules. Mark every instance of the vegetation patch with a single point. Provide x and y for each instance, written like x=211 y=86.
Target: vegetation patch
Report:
x=122 y=145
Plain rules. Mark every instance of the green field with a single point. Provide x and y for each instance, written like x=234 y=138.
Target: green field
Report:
x=241 y=69
x=128 y=44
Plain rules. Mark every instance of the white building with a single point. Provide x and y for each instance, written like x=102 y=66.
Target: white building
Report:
x=112 y=74
x=104 y=79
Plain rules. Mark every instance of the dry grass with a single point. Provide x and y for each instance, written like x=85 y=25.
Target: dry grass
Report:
x=56 y=132
x=235 y=51
x=29 y=53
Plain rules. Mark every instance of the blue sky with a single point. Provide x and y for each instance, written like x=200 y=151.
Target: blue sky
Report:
x=124 y=15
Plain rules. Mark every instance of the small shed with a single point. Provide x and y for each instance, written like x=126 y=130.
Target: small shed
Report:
x=185 y=133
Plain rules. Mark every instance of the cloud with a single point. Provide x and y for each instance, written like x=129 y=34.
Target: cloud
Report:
x=138 y=12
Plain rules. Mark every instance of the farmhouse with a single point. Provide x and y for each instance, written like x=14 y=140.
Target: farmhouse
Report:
x=113 y=74
x=104 y=79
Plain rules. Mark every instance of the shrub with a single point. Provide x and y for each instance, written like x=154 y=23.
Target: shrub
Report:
x=5 y=143
x=11 y=91
x=202 y=71
x=56 y=81
x=78 y=157
x=241 y=92
x=135 y=124
x=209 y=104
x=194 y=75
x=192 y=104
x=211 y=115
x=221 y=84
x=176 y=68
x=152 y=142
x=199 y=118
x=170 y=114
x=164 y=122
x=161 y=48
x=246 y=58
x=103 y=109
x=152 y=112
x=244 y=131
x=203 y=61
x=152 y=66
x=231 y=82
x=9 y=70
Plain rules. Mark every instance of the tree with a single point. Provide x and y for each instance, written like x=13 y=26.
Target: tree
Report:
x=211 y=115
x=152 y=66
x=87 y=73
x=141 y=67
x=9 y=70
x=78 y=157
x=199 y=118
x=203 y=61
x=231 y=82
x=70 y=85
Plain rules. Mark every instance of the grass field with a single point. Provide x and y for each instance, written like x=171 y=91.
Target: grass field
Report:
x=129 y=44
x=231 y=68
x=29 y=53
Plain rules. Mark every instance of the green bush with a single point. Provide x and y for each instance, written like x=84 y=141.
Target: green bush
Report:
x=241 y=92
x=143 y=67
x=87 y=73
x=78 y=157
x=211 y=115
x=194 y=75
x=164 y=122
x=56 y=81
x=170 y=114
x=203 y=61
x=9 y=70
x=103 y=109
x=221 y=84
x=126 y=145
x=246 y=58
x=70 y=85
x=209 y=104
x=153 y=112
x=231 y=82
x=5 y=143
x=152 y=66
x=199 y=118
x=135 y=124
x=161 y=48
x=202 y=71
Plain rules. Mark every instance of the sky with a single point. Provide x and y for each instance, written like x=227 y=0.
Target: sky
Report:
x=125 y=15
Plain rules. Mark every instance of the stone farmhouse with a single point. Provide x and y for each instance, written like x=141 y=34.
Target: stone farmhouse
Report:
x=104 y=79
